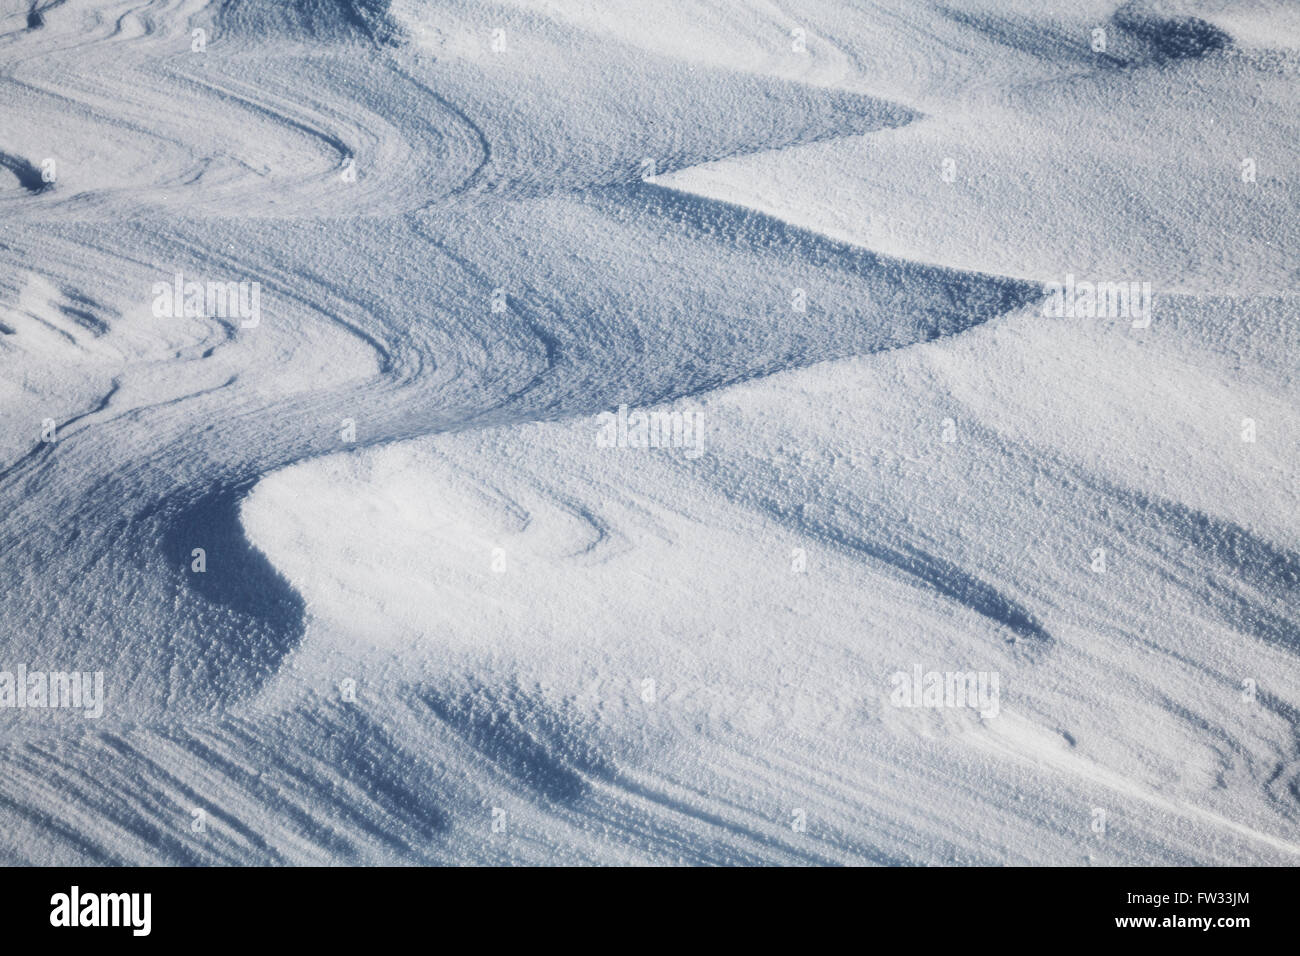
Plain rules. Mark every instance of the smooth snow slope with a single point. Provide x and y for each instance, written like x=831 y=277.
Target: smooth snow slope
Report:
x=469 y=612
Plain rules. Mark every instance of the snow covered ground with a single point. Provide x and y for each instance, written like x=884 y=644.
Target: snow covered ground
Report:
x=362 y=529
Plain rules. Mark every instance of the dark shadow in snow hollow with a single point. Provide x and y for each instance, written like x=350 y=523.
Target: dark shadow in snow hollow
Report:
x=1170 y=38
x=237 y=582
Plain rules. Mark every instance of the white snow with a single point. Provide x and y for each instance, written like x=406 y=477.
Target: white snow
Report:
x=439 y=620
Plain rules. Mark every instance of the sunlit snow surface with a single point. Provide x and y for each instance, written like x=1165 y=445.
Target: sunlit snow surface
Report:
x=439 y=621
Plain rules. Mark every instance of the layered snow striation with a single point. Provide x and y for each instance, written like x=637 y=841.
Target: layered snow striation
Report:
x=438 y=621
